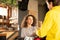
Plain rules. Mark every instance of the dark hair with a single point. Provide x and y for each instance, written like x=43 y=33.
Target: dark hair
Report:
x=55 y=2
x=34 y=21
x=51 y=0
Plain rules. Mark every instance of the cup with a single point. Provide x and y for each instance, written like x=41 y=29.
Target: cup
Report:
x=28 y=38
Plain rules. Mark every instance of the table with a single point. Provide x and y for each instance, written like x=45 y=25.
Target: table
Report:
x=10 y=35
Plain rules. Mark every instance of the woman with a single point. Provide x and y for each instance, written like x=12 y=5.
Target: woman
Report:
x=29 y=26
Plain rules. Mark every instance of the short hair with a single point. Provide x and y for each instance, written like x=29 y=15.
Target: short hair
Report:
x=55 y=2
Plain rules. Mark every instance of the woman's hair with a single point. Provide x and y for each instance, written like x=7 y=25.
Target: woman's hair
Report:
x=25 y=23
x=55 y=2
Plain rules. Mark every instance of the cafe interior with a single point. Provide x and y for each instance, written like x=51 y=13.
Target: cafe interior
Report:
x=8 y=22
x=10 y=15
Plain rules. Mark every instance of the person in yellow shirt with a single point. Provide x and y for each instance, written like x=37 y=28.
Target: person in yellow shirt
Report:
x=51 y=24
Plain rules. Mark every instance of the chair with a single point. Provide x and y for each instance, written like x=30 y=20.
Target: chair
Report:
x=2 y=36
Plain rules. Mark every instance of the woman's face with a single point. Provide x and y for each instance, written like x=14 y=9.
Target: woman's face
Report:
x=30 y=20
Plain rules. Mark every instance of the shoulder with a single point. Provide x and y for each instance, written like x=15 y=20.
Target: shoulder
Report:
x=23 y=28
x=34 y=27
x=50 y=13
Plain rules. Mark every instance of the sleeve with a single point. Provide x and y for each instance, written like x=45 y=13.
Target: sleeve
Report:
x=23 y=33
x=47 y=24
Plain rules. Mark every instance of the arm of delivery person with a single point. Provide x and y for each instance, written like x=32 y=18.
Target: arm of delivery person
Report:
x=47 y=24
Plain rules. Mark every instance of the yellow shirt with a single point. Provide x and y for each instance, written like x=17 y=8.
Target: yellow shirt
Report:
x=51 y=25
